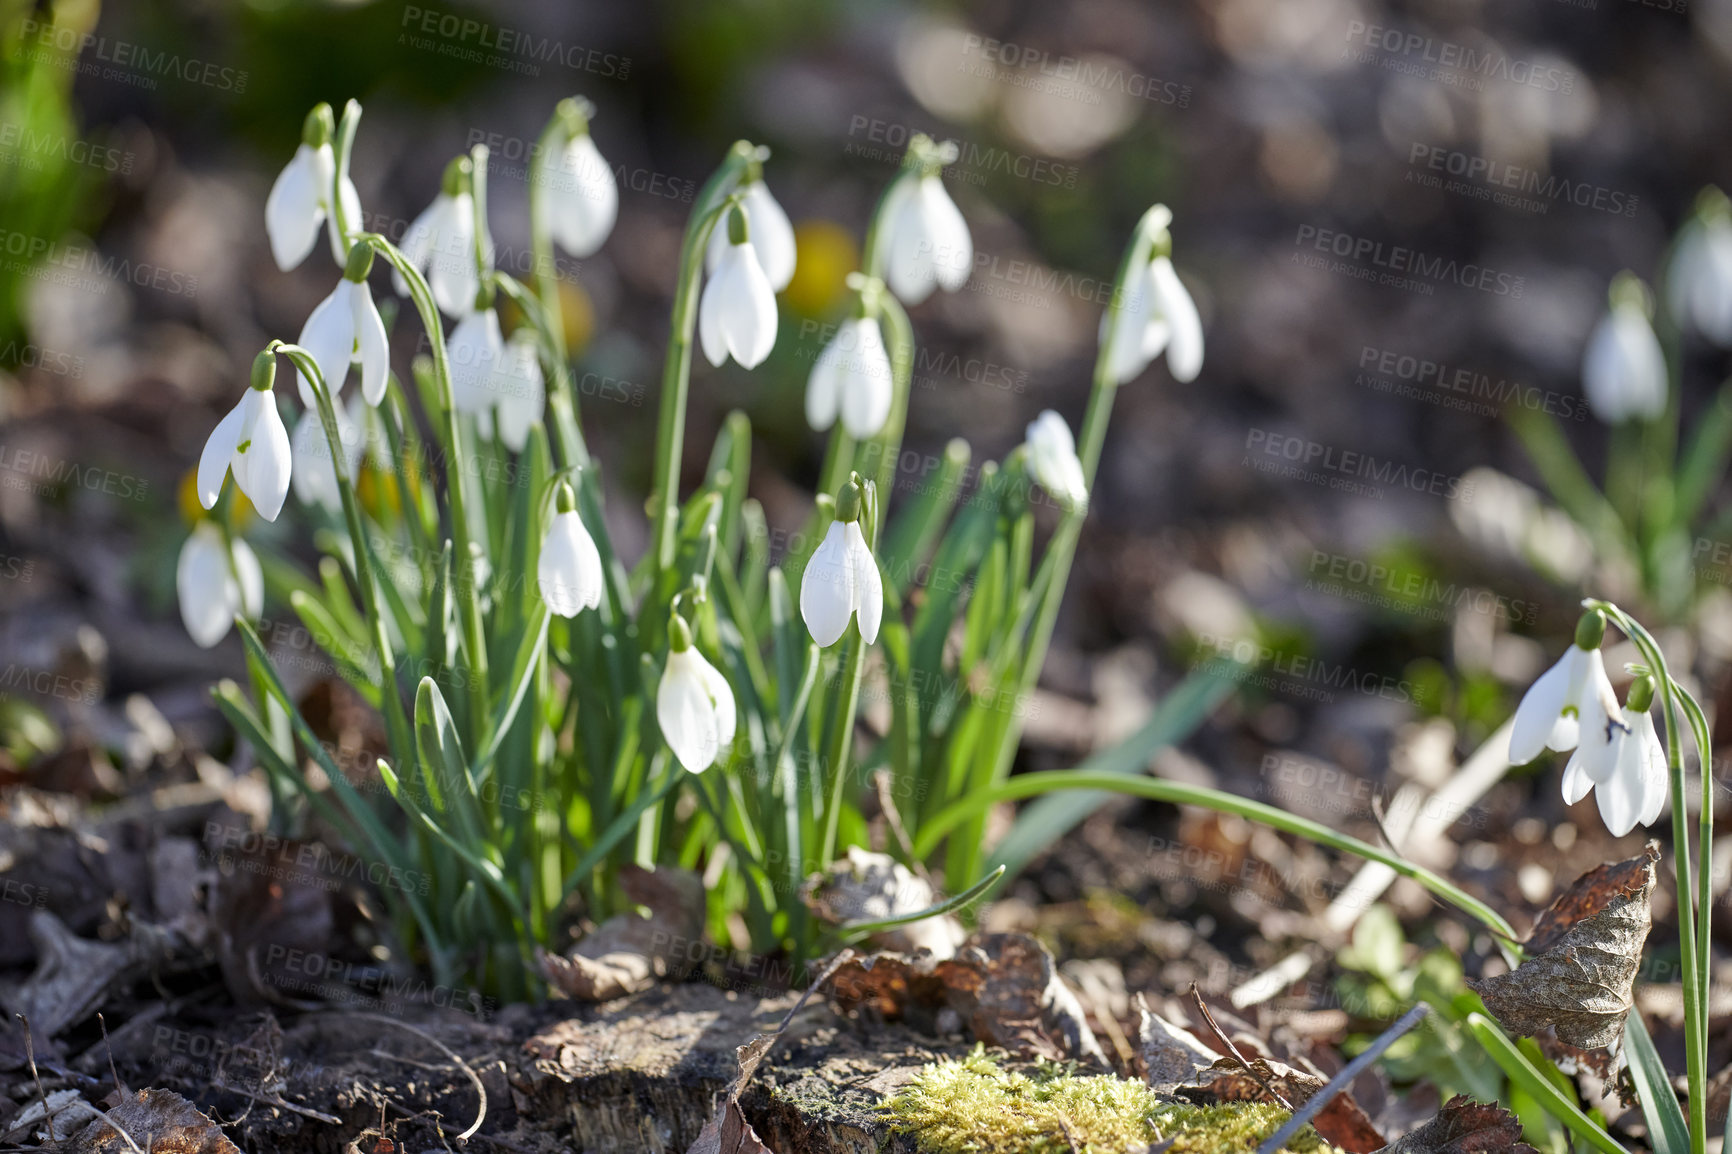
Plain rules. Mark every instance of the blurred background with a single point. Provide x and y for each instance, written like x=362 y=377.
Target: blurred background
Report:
x=1398 y=220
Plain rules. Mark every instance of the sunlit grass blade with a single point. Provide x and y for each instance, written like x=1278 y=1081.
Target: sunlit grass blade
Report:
x=1668 y=1131
x=860 y=929
x=523 y=670
x=1521 y=1072
x=444 y=771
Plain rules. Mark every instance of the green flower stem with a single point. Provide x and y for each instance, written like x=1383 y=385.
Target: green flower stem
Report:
x=1693 y=949
x=841 y=737
x=342 y=147
x=396 y=721
x=462 y=528
x=1094 y=434
x=562 y=398
x=677 y=368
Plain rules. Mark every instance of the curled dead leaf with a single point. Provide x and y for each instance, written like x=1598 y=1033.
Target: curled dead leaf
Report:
x=1582 y=958
x=1464 y=1126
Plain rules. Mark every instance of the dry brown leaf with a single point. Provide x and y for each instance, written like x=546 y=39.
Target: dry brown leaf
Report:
x=628 y=953
x=1005 y=987
x=1464 y=1126
x=161 y=1122
x=1171 y=1055
x=728 y=1132
x=1582 y=958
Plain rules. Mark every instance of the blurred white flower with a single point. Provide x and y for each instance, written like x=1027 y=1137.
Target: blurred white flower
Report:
x=737 y=313
x=694 y=704
x=772 y=236
x=252 y=443
x=851 y=375
x=1624 y=370
x=520 y=391
x=928 y=242
x=216 y=583
x=315 y=474
x=475 y=352
x=1699 y=280
x=441 y=244
x=1156 y=315
x=582 y=198
x=570 y=567
x=1053 y=461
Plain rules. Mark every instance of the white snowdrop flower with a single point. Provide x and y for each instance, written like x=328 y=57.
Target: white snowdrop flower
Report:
x=315 y=475
x=842 y=580
x=519 y=390
x=928 y=242
x=216 y=581
x=476 y=352
x=570 y=567
x=582 y=198
x=1699 y=279
x=772 y=235
x=1624 y=370
x=737 y=313
x=1156 y=315
x=252 y=443
x=441 y=243
x=300 y=198
x=1572 y=706
x=851 y=376
x=1053 y=461
x=345 y=327
x=1636 y=787
x=694 y=703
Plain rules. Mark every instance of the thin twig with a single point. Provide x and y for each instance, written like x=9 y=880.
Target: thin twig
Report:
x=276 y=1100
x=1340 y=1082
x=1232 y=1050
x=480 y=1090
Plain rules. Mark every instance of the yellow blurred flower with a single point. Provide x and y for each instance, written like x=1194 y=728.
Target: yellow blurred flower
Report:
x=825 y=255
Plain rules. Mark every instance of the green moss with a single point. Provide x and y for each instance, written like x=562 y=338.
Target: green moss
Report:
x=976 y=1106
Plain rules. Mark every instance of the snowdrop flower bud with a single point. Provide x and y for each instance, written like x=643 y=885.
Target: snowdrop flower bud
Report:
x=252 y=442
x=1624 y=371
x=1635 y=789
x=441 y=243
x=315 y=474
x=694 y=704
x=570 y=566
x=737 y=313
x=1053 y=461
x=1699 y=280
x=1572 y=706
x=928 y=240
x=216 y=581
x=520 y=391
x=842 y=579
x=300 y=200
x=851 y=375
x=1156 y=315
x=476 y=352
x=346 y=327
x=772 y=234
x=582 y=198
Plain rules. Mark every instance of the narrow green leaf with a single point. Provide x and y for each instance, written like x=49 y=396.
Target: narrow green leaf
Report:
x=345 y=651
x=862 y=928
x=523 y=669
x=1669 y=1132
x=444 y=771
x=1520 y=1071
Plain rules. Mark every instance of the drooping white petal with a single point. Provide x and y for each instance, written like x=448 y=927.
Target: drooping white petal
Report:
x=1656 y=783
x=1602 y=723
x=219 y=453
x=252 y=580
x=570 y=566
x=868 y=585
x=1184 y=341
x=1131 y=350
x=1699 y=279
x=583 y=199
x=721 y=696
x=1537 y=719
x=690 y=712
x=824 y=386
x=1624 y=370
x=1053 y=460
x=451 y=257
x=929 y=242
x=262 y=461
x=1577 y=784
x=737 y=312
x=827 y=593
x=865 y=385
x=1620 y=794
x=520 y=389
x=372 y=347
x=417 y=240
x=329 y=335
x=296 y=205
x=206 y=588
x=771 y=234
x=475 y=352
